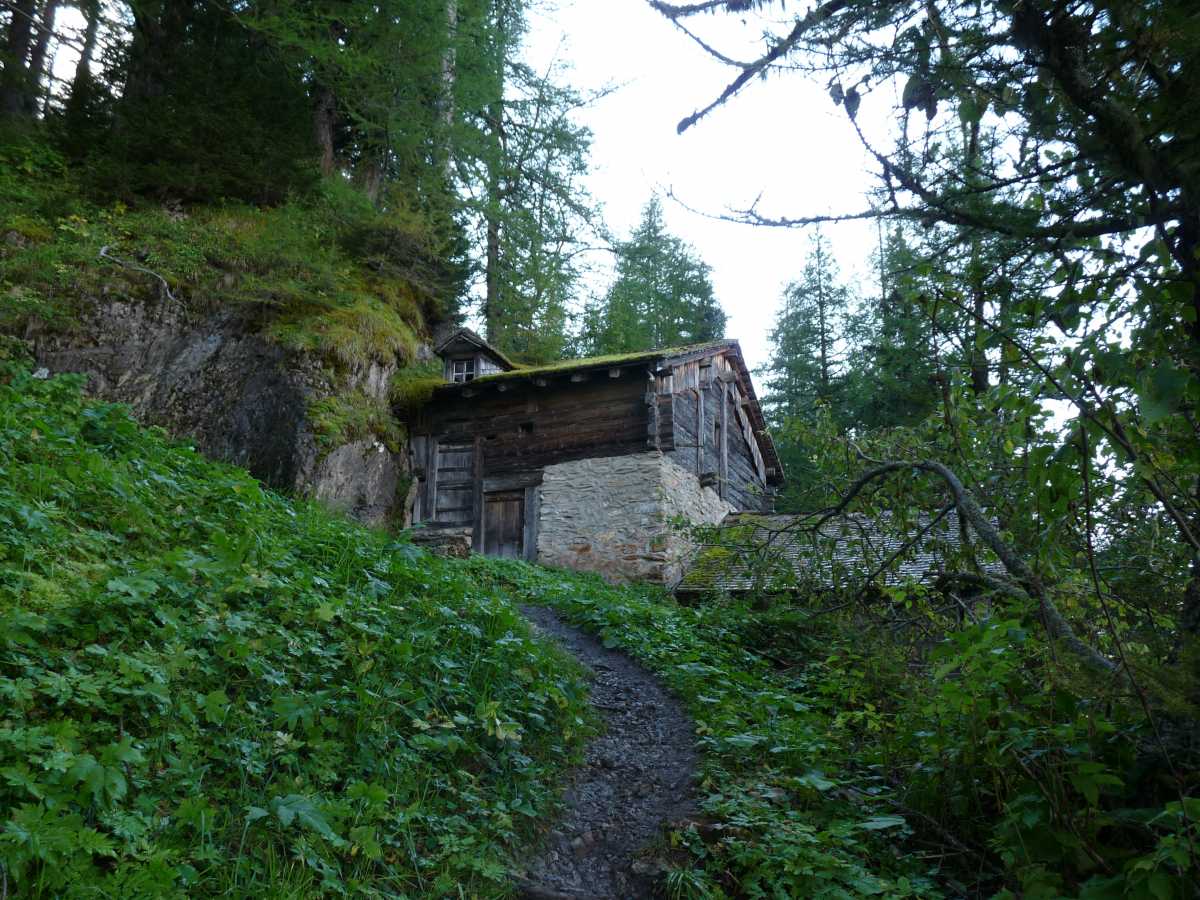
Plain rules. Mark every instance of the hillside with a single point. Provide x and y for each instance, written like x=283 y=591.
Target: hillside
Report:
x=211 y=689
x=274 y=337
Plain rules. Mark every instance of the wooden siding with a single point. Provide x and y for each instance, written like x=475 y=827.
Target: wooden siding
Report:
x=465 y=448
x=528 y=427
x=711 y=434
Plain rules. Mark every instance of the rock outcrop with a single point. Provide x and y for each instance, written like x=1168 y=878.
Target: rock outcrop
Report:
x=212 y=377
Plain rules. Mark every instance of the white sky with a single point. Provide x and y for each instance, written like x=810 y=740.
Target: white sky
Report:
x=782 y=138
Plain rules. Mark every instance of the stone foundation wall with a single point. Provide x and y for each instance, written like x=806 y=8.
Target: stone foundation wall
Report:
x=613 y=516
x=683 y=497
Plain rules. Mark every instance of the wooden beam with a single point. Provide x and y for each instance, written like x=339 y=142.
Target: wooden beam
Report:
x=512 y=482
x=431 y=479
x=724 y=470
x=477 y=493
x=652 y=423
x=533 y=508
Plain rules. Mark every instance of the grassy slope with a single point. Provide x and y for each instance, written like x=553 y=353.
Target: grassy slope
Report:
x=206 y=688
x=209 y=688
x=327 y=274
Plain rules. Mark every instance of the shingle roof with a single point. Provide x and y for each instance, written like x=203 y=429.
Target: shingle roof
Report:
x=848 y=550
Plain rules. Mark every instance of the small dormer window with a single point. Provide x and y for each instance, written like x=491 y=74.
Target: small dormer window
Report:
x=462 y=369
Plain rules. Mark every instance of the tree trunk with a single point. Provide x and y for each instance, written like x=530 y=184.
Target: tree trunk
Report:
x=14 y=82
x=978 y=356
x=449 y=79
x=372 y=178
x=323 y=122
x=83 y=69
x=37 y=60
x=823 y=321
x=491 y=302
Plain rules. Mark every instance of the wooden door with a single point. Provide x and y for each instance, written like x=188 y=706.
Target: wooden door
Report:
x=454 y=487
x=504 y=524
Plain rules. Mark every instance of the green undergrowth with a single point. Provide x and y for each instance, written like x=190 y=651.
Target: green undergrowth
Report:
x=209 y=690
x=772 y=772
x=325 y=273
x=833 y=768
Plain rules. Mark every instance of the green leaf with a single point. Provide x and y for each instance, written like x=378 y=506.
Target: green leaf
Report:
x=880 y=823
x=216 y=705
x=298 y=808
x=1161 y=394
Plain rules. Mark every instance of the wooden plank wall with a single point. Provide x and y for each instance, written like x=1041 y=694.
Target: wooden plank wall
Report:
x=494 y=440
x=705 y=394
x=529 y=427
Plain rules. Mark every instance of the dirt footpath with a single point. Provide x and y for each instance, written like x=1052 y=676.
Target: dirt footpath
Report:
x=636 y=776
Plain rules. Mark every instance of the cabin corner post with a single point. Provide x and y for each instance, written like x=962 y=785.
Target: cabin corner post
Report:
x=477 y=495
x=653 y=425
x=533 y=512
x=431 y=479
x=723 y=472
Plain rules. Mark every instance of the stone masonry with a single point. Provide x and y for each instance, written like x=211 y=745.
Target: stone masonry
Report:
x=614 y=516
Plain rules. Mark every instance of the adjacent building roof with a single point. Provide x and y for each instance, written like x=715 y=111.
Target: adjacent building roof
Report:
x=758 y=552
x=660 y=358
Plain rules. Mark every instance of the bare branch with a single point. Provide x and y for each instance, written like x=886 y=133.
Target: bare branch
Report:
x=104 y=254
x=1026 y=579
x=816 y=17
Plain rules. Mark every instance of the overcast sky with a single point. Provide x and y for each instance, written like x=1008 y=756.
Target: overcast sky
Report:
x=782 y=138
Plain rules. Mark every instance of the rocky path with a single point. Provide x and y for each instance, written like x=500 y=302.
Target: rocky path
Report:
x=636 y=776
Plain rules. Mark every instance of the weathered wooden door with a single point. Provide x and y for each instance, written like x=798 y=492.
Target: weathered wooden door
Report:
x=504 y=524
x=454 y=487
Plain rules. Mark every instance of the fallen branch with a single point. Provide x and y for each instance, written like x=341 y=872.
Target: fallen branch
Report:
x=104 y=254
x=1025 y=580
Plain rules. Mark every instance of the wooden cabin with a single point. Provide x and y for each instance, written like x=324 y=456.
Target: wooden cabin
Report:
x=587 y=463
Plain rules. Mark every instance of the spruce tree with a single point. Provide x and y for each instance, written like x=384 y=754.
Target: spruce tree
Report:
x=662 y=295
x=805 y=366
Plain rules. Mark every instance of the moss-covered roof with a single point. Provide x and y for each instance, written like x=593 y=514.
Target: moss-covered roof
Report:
x=590 y=362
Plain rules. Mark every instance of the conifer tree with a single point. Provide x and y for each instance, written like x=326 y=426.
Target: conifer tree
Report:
x=805 y=366
x=662 y=295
